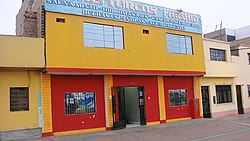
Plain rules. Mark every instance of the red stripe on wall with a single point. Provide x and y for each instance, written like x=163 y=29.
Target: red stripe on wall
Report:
x=47 y=134
x=119 y=71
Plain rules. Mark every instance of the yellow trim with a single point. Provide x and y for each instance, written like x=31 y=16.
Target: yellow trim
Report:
x=198 y=93
x=108 y=101
x=179 y=119
x=46 y=103
x=161 y=98
x=79 y=131
x=153 y=123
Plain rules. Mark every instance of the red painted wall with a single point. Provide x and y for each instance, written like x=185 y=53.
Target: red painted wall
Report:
x=151 y=92
x=62 y=84
x=178 y=83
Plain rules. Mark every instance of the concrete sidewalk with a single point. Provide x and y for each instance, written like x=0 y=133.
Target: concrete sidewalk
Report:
x=235 y=128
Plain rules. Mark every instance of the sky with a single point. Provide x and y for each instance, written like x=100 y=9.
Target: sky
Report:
x=231 y=13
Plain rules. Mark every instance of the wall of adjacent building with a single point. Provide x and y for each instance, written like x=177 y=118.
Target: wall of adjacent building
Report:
x=223 y=109
x=20 y=119
x=243 y=79
x=21 y=52
x=219 y=73
x=217 y=68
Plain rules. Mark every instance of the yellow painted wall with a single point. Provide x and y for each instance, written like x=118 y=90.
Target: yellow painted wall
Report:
x=212 y=82
x=21 y=119
x=108 y=81
x=198 y=92
x=161 y=94
x=65 y=47
x=21 y=52
x=46 y=103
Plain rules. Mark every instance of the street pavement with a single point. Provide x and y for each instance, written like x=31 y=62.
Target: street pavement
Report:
x=234 y=128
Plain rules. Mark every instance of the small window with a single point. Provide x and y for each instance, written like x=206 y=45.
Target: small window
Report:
x=80 y=103
x=179 y=44
x=235 y=51
x=248 y=88
x=19 y=99
x=145 y=31
x=103 y=36
x=60 y=20
x=178 y=97
x=230 y=38
x=217 y=55
x=223 y=94
x=248 y=58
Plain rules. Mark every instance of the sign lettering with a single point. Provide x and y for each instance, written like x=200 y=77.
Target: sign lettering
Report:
x=129 y=11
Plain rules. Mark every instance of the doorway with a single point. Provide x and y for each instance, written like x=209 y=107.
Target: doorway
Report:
x=239 y=100
x=128 y=107
x=205 y=101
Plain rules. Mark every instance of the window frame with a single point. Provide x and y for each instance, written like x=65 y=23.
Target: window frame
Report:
x=248 y=54
x=68 y=113
x=223 y=97
x=104 y=36
x=186 y=92
x=179 y=36
x=217 y=57
x=248 y=89
x=19 y=108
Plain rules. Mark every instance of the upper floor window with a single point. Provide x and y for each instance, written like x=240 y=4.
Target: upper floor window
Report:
x=223 y=94
x=19 y=99
x=179 y=44
x=103 y=36
x=248 y=54
x=217 y=55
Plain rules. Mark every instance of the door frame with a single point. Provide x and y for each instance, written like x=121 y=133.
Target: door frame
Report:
x=208 y=101
x=239 y=99
x=120 y=124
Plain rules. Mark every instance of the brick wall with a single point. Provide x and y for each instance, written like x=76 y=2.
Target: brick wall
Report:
x=30 y=19
x=29 y=24
x=217 y=35
x=38 y=7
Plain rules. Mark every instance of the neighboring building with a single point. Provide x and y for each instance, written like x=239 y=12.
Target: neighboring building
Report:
x=110 y=64
x=21 y=60
x=241 y=56
x=217 y=86
x=229 y=35
x=30 y=19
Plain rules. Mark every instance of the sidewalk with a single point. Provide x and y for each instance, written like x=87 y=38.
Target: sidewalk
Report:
x=235 y=128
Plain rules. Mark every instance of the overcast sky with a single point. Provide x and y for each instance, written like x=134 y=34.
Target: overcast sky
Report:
x=232 y=13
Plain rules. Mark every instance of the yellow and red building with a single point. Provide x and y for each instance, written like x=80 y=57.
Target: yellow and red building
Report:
x=113 y=63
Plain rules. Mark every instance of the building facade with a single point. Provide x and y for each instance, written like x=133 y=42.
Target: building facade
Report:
x=241 y=56
x=227 y=34
x=104 y=73
x=110 y=64
x=21 y=59
x=218 y=85
x=233 y=67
